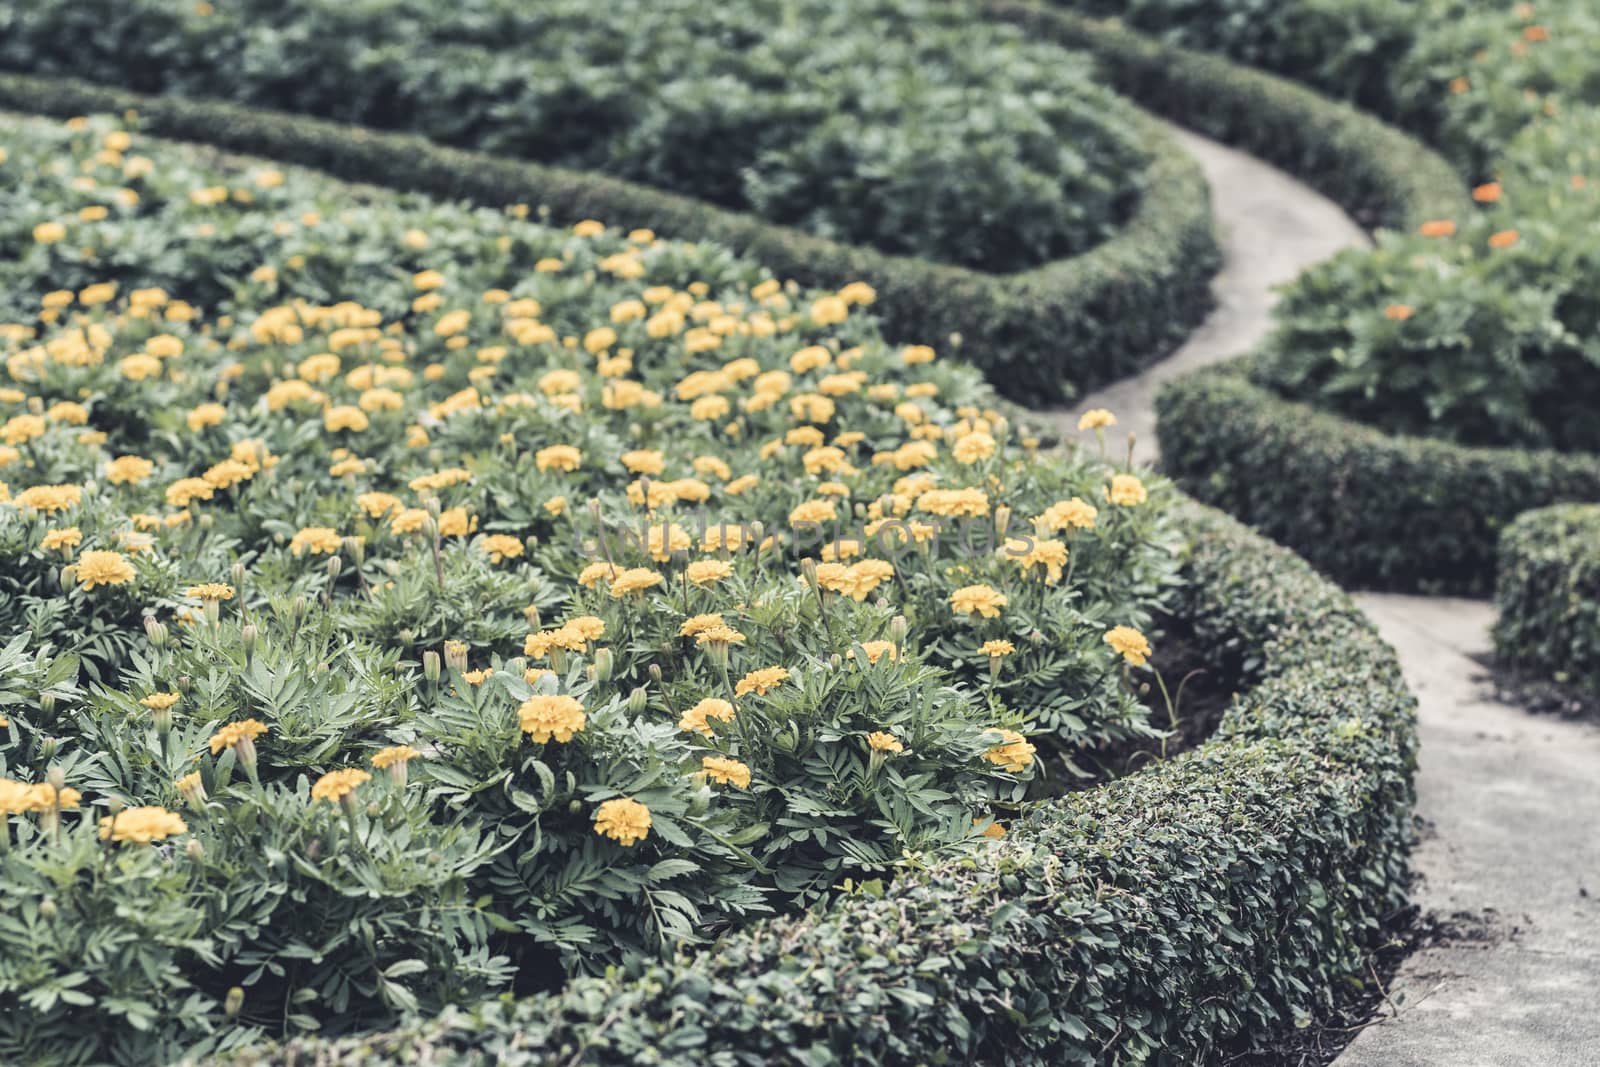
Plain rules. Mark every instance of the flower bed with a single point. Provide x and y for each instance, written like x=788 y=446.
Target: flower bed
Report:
x=1067 y=318
x=1547 y=590
x=467 y=602
x=1206 y=901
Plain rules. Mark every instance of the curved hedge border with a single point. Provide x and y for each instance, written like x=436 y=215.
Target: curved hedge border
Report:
x=1548 y=595
x=1364 y=506
x=1201 y=902
x=1379 y=175
x=1040 y=335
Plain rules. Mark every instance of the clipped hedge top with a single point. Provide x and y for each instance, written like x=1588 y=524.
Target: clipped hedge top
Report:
x=1214 y=896
x=1547 y=591
x=932 y=133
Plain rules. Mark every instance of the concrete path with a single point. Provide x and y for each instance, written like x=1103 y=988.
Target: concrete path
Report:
x=1271 y=228
x=1510 y=852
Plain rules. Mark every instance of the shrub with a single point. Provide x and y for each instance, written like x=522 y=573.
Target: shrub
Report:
x=1461 y=337
x=448 y=660
x=1369 y=508
x=1547 y=590
x=1196 y=905
x=1345 y=48
x=932 y=134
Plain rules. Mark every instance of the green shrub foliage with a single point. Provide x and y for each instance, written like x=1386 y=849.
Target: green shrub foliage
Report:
x=1547 y=589
x=906 y=125
x=1198 y=904
x=355 y=546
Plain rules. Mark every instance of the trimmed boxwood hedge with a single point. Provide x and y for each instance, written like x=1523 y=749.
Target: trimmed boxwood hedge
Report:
x=1202 y=903
x=1367 y=507
x=1041 y=335
x=1379 y=175
x=1548 y=592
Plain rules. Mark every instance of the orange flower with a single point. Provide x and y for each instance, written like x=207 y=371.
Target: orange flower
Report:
x=1399 y=312
x=1437 y=228
x=1459 y=85
x=1504 y=239
x=1487 y=193
x=1535 y=34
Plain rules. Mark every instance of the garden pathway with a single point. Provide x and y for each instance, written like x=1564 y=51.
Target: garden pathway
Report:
x=1510 y=853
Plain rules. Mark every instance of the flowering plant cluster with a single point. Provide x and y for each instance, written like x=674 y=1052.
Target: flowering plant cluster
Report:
x=416 y=600
x=1478 y=329
x=933 y=134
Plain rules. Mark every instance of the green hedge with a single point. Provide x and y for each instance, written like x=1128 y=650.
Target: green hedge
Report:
x=1378 y=174
x=1204 y=902
x=1365 y=507
x=1041 y=335
x=1345 y=48
x=1548 y=592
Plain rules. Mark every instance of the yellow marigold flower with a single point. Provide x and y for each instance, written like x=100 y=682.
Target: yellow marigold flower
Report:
x=211 y=591
x=231 y=734
x=726 y=771
x=719 y=635
x=1014 y=755
x=876 y=650
x=66 y=537
x=829 y=311
x=377 y=505
x=698 y=623
x=597 y=572
x=205 y=415
x=49 y=233
x=708 y=571
x=160 y=701
x=954 y=502
x=547 y=716
x=993 y=831
x=427 y=279
x=129 y=470
x=1132 y=645
x=345 y=417
x=588 y=627
x=387 y=757
x=980 y=599
x=760 y=681
x=558 y=457
x=635 y=580
x=1126 y=490
x=858 y=293
x=49 y=498
x=997 y=648
x=22 y=428
x=501 y=547
x=856 y=581
x=813 y=511
x=623 y=820
x=1049 y=555
x=661 y=541
x=139 y=367
x=644 y=461
x=879 y=741
x=1068 y=515
x=101 y=567
x=336 y=785
x=318 y=540
x=1096 y=419
x=142 y=825
x=556 y=505
x=697 y=719
x=186 y=490
x=973 y=447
